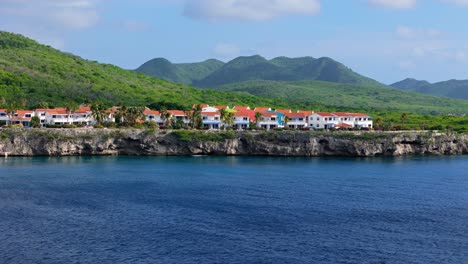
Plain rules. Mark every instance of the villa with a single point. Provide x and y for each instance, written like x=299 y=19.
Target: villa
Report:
x=243 y=117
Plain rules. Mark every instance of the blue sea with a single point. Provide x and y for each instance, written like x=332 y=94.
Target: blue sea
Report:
x=234 y=210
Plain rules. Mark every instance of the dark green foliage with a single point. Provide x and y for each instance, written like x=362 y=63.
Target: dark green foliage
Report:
x=213 y=73
x=316 y=94
x=32 y=74
x=185 y=73
x=451 y=88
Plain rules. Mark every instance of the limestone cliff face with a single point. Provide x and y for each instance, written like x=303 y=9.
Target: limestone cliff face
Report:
x=67 y=142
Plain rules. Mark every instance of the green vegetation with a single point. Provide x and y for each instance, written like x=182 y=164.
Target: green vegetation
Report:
x=213 y=73
x=32 y=74
x=201 y=136
x=452 y=88
x=185 y=73
x=326 y=95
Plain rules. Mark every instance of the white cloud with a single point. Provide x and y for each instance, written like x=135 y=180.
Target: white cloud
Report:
x=71 y=14
x=227 y=50
x=395 y=4
x=257 y=10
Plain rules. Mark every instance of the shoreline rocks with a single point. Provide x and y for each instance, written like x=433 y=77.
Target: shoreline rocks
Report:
x=135 y=142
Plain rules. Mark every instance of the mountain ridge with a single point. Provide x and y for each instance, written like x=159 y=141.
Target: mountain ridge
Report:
x=256 y=67
x=452 y=88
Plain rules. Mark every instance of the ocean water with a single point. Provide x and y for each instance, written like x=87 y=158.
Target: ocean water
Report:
x=233 y=210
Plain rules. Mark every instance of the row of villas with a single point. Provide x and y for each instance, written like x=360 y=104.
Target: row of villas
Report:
x=243 y=116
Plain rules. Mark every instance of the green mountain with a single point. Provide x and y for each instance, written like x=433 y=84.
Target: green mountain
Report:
x=185 y=73
x=213 y=73
x=31 y=73
x=451 y=88
x=351 y=96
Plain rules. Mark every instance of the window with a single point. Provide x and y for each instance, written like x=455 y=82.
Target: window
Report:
x=204 y=117
x=273 y=119
x=2 y=114
x=301 y=119
x=318 y=118
x=245 y=119
x=27 y=115
x=317 y=125
x=216 y=118
x=54 y=116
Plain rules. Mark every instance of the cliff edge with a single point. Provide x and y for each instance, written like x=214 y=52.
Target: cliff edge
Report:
x=74 y=142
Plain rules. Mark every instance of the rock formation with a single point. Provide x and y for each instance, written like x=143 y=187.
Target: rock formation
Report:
x=70 y=142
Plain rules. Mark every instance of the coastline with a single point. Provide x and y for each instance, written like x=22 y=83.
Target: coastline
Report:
x=147 y=142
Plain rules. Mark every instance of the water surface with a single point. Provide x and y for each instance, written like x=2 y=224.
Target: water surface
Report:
x=233 y=210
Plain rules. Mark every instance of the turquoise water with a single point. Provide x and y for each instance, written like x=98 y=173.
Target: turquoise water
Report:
x=233 y=210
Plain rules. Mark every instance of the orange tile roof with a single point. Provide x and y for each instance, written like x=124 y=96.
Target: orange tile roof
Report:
x=306 y=112
x=294 y=115
x=243 y=113
x=284 y=111
x=261 y=109
x=219 y=107
x=22 y=113
x=268 y=114
x=83 y=109
x=176 y=112
x=151 y=112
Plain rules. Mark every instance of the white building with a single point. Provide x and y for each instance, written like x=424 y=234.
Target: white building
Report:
x=153 y=116
x=297 y=120
x=322 y=120
x=269 y=120
x=241 y=120
x=211 y=120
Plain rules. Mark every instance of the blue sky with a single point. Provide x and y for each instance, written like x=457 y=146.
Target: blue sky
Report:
x=387 y=40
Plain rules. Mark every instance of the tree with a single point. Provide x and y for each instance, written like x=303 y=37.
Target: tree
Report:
x=121 y=115
x=379 y=123
x=258 y=116
x=97 y=110
x=286 y=121
x=165 y=116
x=11 y=111
x=134 y=114
x=35 y=122
x=227 y=118
x=403 y=118
x=70 y=107
x=43 y=105
x=197 y=121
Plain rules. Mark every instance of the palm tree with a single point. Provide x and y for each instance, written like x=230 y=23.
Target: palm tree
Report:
x=258 y=116
x=97 y=112
x=197 y=121
x=286 y=121
x=165 y=115
x=122 y=115
x=227 y=117
x=134 y=114
x=70 y=107
x=11 y=110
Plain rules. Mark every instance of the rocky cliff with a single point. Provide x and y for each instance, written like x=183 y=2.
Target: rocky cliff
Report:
x=67 y=142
